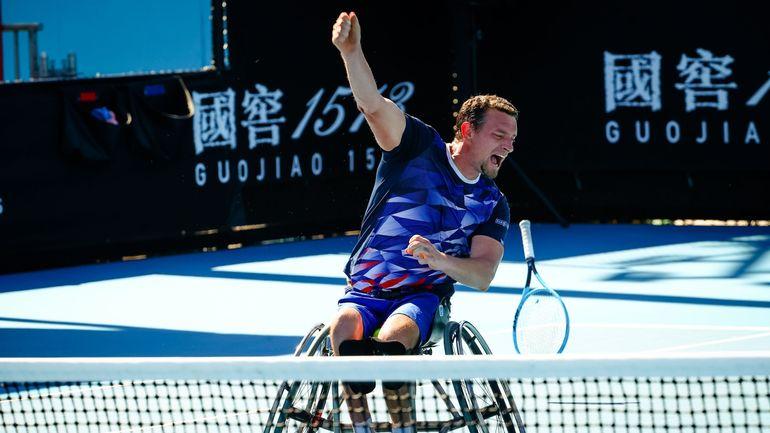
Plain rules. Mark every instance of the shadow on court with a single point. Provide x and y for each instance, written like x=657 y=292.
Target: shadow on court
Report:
x=195 y=264
x=118 y=341
x=757 y=246
x=551 y=242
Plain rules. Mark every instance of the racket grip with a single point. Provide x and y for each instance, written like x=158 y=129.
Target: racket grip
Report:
x=526 y=240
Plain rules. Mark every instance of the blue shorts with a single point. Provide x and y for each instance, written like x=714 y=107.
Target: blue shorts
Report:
x=420 y=307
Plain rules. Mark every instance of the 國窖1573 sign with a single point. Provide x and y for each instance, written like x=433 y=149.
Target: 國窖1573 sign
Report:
x=704 y=83
x=261 y=116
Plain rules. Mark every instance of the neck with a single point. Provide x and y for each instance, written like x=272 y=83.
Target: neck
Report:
x=461 y=160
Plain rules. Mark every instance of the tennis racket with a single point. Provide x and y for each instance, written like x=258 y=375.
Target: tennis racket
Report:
x=541 y=323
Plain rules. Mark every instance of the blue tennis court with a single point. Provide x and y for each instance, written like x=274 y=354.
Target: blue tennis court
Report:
x=629 y=289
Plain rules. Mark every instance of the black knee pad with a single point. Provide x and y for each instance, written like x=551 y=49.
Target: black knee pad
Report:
x=363 y=347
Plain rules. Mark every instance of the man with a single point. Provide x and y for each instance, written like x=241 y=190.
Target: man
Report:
x=435 y=216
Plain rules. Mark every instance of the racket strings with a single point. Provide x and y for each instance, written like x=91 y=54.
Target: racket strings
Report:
x=541 y=324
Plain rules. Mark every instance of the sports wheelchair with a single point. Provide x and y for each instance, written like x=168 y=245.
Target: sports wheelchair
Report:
x=481 y=406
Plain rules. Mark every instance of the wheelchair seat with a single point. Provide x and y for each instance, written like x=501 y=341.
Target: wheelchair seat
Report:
x=440 y=320
x=437 y=328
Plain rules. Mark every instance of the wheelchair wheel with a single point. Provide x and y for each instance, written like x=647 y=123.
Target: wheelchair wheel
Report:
x=299 y=406
x=487 y=405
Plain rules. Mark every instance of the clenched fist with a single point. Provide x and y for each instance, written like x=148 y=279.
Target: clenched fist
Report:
x=346 y=33
x=425 y=252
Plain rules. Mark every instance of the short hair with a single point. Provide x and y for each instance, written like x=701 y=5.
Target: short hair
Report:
x=474 y=110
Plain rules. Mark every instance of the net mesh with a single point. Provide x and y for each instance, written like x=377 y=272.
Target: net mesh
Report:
x=507 y=395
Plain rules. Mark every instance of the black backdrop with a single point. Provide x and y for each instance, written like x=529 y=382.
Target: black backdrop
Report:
x=276 y=147
x=549 y=57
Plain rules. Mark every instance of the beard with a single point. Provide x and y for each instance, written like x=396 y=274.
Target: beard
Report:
x=489 y=170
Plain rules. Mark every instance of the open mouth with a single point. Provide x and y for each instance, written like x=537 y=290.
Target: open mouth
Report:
x=497 y=160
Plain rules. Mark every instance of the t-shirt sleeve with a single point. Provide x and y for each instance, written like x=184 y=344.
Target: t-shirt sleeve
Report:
x=496 y=227
x=417 y=137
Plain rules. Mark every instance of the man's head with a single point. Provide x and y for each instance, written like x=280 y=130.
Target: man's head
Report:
x=489 y=124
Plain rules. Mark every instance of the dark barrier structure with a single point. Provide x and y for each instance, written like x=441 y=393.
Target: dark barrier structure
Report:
x=635 y=111
x=270 y=145
x=627 y=113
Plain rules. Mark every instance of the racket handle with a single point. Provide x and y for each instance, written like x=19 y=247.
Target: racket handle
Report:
x=526 y=240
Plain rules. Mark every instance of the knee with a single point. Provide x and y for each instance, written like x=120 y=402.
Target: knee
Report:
x=348 y=320
x=405 y=332
x=346 y=325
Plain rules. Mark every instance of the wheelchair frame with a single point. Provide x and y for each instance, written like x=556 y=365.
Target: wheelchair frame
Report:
x=484 y=405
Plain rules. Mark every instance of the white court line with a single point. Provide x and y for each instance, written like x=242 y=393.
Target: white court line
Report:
x=662 y=326
x=21 y=324
x=707 y=343
x=670 y=326
x=566 y=263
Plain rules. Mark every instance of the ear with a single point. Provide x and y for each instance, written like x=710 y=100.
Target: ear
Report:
x=467 y=129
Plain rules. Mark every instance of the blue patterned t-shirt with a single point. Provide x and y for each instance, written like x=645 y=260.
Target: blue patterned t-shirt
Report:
x=419 y=191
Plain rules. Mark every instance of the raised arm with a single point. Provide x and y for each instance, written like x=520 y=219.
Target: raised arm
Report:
x=386 y=120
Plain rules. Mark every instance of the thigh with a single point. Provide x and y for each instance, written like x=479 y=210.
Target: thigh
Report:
x=420 y=308
x=372 y=310
x=401 y=328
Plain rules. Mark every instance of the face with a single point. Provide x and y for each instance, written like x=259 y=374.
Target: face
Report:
x=493 y=141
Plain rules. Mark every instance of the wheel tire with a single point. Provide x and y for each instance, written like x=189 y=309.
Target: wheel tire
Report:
x=301 y=401
x=487 y=405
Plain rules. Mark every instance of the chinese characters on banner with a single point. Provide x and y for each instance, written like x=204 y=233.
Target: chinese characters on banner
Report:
x=704 y=78
x=632 y=81
x=214 y=124
x=215 y=120
x=705 y=82
x=259 y=106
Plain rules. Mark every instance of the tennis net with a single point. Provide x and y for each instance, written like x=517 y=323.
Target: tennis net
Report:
x=672 y=393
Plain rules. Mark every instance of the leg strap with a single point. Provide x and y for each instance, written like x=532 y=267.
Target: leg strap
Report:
x=371 y=346
x=363 y=347
x=388 y=347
